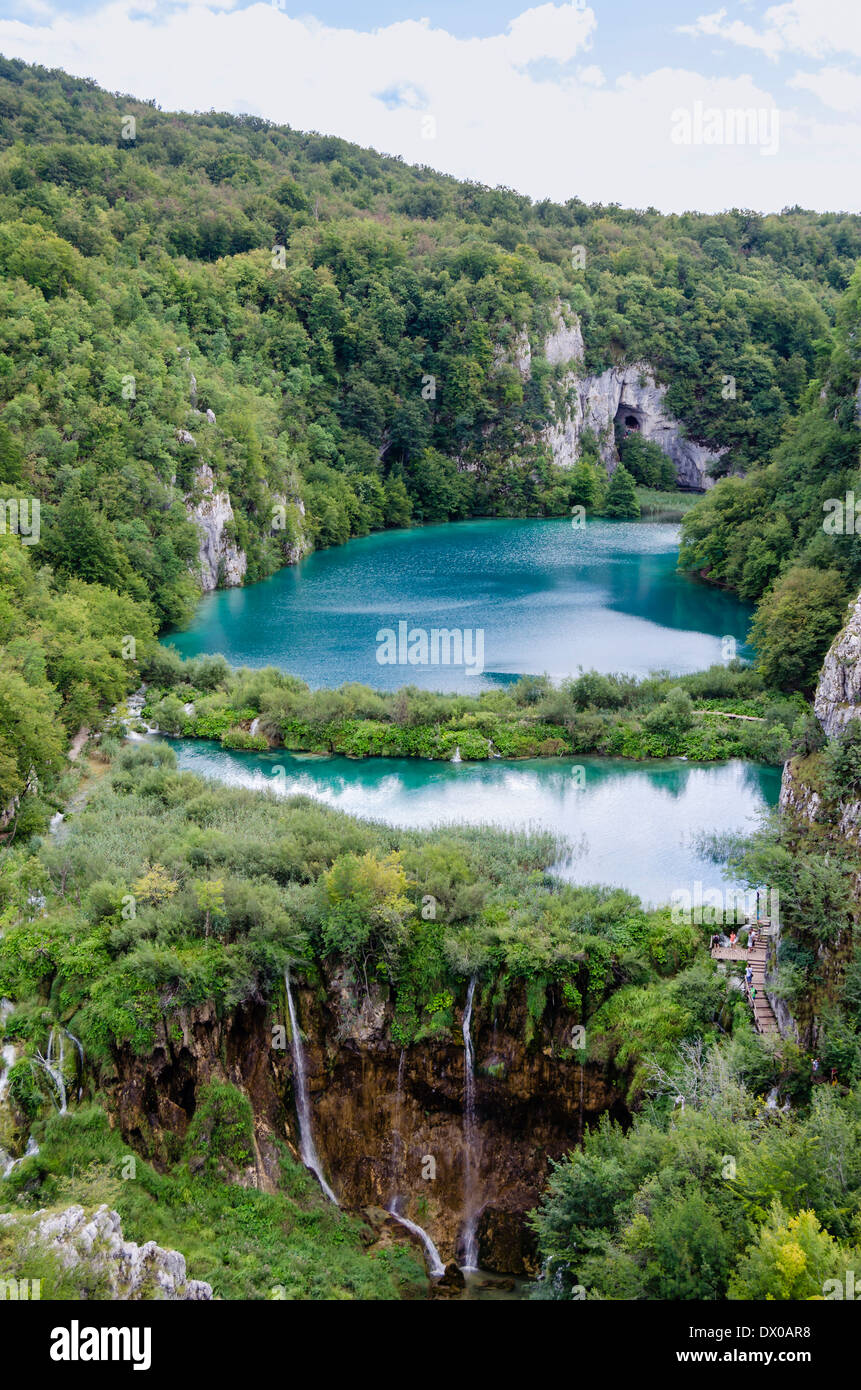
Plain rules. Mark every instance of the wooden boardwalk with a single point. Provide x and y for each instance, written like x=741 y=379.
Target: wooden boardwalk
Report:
x=763 y=1014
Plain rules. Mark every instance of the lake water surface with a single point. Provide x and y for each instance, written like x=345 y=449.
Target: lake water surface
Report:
x=547 y=598
x=633 y=825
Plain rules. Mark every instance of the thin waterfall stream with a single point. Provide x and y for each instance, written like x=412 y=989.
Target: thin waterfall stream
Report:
x=434 y=1262
x=307 y=1147
x=470 y=1229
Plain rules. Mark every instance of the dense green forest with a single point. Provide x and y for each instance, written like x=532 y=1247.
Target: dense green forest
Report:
x=284 y=299
x=738 y=1196
x=785 y=532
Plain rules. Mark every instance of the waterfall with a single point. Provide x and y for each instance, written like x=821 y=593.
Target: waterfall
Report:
x=470 y=1236
x=455 y=757
x=581 y=1103
x=397 y=1139
x=307 y=1148
x=432 y=1255
x=54 y=1068
x=255 y=725
x=7 y=1053
x=7 y=1164
x=8 y=1050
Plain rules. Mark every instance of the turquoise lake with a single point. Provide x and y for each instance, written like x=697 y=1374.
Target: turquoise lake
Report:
x=632 y=825
x=547 y=598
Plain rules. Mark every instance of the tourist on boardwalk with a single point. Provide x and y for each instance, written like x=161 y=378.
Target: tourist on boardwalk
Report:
x=733 y=937
x=748 y=975
x=751 y=940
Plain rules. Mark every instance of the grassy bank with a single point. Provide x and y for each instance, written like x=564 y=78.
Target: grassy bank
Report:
x=724 y=712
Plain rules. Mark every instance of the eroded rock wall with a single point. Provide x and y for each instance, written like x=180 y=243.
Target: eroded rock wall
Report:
x=838 y=693
x=388 y=1121
x=595 y=402
x=219 y=559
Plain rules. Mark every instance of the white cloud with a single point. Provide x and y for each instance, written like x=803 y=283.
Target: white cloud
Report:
x=495 y=121
x=813 y=27
x=837 y=88
x=592 y=76
x=715 y=26
x=549 y=31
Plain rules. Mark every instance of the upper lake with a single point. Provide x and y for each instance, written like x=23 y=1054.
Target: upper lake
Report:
x=546 y=596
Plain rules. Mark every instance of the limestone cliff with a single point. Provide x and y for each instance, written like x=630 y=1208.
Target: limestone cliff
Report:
x=838 y=693
x=837 y=700
x=220 y=559
x=627 y=395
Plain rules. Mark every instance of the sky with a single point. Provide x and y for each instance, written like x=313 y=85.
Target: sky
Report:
x=649 y=103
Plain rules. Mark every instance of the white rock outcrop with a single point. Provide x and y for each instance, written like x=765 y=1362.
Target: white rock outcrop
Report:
x=595 y=402
x=838 y=693
x=95 y=1244
x=211 y=511
x=564 y=343
x=837 y=700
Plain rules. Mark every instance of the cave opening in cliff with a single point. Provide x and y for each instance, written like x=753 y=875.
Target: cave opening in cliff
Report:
x=631 y=422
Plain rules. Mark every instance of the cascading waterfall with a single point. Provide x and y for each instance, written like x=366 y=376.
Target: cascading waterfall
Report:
x=436 y=1268
x=307 y=1147
x=7 y=1164
x=7 y=1053
x=432 y=1255
x=8 y=1050
x=581 y=1102
x=54 y=1068
x=470 y=1229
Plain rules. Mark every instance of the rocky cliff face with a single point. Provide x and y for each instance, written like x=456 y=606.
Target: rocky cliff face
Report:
x=564 y=343
x=629 y=395
x=389 y=1121
x=838 y=694
x=93 y=1247
x=220 y=560
x=837 y=700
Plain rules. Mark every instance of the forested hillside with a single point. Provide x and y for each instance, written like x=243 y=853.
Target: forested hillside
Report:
x=335 y=335
x=785 y=533
x=142 y=289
